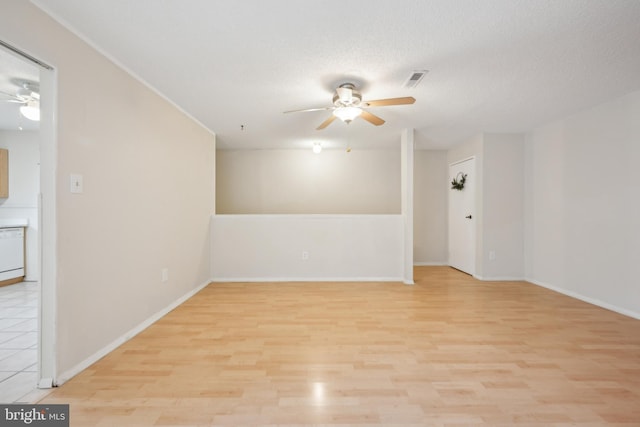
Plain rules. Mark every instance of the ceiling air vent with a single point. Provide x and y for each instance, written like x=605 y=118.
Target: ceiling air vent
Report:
x=415 y=78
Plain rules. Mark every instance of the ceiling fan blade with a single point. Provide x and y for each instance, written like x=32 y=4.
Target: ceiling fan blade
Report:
x=309 y=109
x=390 y=101
x=371 y=118
x=326 y=122
x=10 y=98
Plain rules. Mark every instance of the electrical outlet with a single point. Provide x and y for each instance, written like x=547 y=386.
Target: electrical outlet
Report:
x=492 y=255
x=165 y=274
x=305 y=255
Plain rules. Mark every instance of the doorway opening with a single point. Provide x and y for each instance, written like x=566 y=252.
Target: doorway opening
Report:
x=27 y=303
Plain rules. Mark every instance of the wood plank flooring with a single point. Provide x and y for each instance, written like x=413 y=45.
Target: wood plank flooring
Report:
x=449 y=351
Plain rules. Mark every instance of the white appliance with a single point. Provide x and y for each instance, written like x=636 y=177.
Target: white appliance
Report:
x=11 y=253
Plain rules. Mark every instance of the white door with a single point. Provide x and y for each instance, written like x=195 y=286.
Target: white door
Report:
x=462 y=216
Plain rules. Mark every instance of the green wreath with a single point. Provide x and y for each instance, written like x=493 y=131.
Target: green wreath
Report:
x=459 y=185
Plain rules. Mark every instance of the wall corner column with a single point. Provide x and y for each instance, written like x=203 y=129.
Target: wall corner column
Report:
x=406 y=171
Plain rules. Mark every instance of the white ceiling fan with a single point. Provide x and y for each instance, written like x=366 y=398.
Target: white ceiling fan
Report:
x=28 y=94
x=348 y=104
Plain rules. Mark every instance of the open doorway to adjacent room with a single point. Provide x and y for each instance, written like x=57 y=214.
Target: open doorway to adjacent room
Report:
x=22 y=137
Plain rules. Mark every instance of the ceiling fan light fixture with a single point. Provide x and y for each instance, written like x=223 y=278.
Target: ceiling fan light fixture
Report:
x=317 y=147
x=347 y=114
x=31 y=111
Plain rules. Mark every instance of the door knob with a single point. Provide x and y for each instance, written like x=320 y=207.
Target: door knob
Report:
x=468 y=216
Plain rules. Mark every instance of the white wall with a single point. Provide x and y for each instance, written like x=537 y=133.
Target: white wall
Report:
x=583 y=202
x=148 y=192
x=301 y=182
x=339 y=247
x=24 y=186
x=430 y=207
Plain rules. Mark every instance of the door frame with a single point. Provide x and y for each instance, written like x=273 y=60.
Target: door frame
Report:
x=48 y=231
x=47 y=223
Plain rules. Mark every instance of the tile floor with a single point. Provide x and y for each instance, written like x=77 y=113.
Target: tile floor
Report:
x=18 y=341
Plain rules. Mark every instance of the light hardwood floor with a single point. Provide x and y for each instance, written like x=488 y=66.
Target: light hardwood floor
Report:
x=449 y=351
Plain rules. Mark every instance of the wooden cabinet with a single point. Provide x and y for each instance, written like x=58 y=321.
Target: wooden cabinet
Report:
x=4 y=173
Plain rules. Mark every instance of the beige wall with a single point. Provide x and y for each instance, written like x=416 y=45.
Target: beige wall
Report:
x=301 y=182
x=503 y=206
x=148 y=190
x=430 y=207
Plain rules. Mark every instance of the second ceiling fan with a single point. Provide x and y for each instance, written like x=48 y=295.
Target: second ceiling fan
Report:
x=348 y=104
x=27 y=96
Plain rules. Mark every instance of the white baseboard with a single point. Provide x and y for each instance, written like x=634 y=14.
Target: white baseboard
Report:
x=430 y=264
x=45 y=383
x=305 y=279
x=500 y=278
x=62 y=378
x=590 y=300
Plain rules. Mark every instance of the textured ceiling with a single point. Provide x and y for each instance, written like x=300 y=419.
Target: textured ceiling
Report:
x=494 y=65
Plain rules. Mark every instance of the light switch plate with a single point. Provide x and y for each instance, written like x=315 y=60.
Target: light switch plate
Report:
x=76 y=183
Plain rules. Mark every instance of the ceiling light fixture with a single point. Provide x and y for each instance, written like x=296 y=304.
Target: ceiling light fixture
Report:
x=347 y=114
x=31 y=111
x=317 y=147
